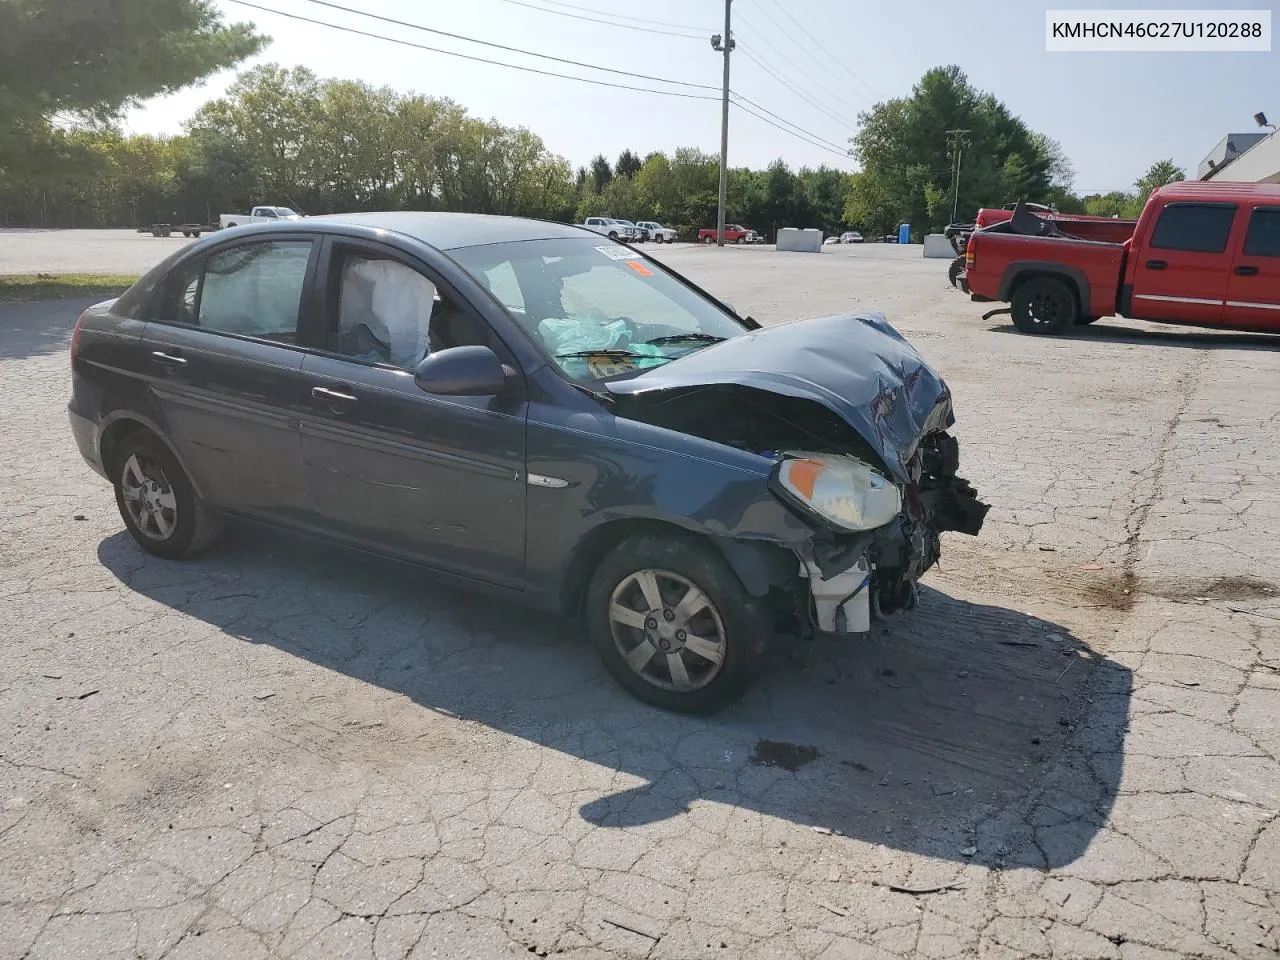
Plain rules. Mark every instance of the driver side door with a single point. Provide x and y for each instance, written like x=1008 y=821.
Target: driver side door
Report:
x=439 y=480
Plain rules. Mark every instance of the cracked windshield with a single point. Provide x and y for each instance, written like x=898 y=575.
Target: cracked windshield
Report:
x=598 y=309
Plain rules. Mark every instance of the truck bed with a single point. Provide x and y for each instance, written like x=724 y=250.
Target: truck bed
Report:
x=1096 y=266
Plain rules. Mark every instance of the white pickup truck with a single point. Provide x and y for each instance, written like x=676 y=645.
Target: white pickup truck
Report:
x=258 y=213
x=613 y=229
x=657 y=232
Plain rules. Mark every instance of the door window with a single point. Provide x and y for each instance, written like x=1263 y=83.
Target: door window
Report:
x=1195 y=227
x=392 y=314
x=255 y=290
x=1263 y=238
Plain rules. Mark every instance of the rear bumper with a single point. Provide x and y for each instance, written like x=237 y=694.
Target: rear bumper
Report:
x=85 y=432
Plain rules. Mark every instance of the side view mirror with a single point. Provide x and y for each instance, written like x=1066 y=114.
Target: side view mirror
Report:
x=472 y=371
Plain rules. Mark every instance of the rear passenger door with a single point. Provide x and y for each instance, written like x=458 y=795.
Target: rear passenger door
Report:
x=222 y=348
x=1253 y=292
x=1183 y=267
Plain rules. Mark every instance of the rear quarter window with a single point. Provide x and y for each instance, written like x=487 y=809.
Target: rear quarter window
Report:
x=1194 y=227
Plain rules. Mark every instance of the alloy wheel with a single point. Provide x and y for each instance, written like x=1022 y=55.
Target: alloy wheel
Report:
x=667 y=630
x=149 y=498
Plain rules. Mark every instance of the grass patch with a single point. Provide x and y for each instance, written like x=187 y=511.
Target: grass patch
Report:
x=25 y=287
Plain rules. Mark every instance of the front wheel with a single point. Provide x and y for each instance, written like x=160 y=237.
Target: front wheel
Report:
x=673 y=624
x=157 y=502
x=1043 y=305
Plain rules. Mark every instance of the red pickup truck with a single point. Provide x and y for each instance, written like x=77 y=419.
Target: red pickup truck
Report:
x=1201 y=254
x=732 y=234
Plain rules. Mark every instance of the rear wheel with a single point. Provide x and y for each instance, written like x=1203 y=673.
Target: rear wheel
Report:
x=1043 y=305
x=708 y=239
x=157 y=502
x=673 y=624
x=613 y=235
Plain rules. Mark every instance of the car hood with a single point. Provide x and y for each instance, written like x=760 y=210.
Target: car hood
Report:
x=856 y=365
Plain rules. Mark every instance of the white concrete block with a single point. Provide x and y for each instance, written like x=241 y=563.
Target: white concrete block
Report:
x=936 y=245
x=800 y=241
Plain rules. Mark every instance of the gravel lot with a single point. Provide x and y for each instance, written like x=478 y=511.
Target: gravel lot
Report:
x=1070 y=750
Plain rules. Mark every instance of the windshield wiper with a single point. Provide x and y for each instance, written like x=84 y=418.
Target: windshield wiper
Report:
x=605 y=352
x=686 y=338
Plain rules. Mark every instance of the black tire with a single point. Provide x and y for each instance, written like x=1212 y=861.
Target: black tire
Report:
x=742 y=239
x=955 y=271
x=232 y=224
x=1085 y=321
x=738 y=620
x=708 y=239
x=1044 y=305
x=195 y=526
x=613 y=235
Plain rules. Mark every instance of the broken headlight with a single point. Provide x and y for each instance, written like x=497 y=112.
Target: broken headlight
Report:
x=845 y=492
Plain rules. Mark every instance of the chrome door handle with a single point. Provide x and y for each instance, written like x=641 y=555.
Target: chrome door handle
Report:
x=167 y=359
x=336 y=399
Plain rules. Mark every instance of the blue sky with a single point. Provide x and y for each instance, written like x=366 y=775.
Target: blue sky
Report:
x=1113 y=113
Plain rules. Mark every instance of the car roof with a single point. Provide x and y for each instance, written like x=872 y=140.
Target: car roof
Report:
x=1210 y=190
x=453 y=231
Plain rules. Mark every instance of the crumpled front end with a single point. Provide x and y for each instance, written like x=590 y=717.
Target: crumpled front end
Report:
x=854 y=578
x=856 y=423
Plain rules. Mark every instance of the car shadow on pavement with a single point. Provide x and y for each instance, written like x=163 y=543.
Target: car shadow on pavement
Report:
x=39 y=327
x=1156 y=335
x=964 y=731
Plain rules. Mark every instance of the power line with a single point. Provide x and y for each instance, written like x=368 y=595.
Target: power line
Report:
x=467 y=56
x=622 y=16
x=818 y=43
x=813 y=143
x=822 y=83
x=834 y=146
x=608 y=23
x=504 y=47
x=843 y=121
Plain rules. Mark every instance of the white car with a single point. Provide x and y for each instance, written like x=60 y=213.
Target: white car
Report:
x=258 y=213
x=853 y=236
x=613 y=229
x=657 y=232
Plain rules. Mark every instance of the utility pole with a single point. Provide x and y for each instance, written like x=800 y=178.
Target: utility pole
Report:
x=958 y=140
x=725 y=44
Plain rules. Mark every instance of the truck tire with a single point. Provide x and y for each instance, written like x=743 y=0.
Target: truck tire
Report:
x=955 y=271
x=1044 y=305
x=708 y=239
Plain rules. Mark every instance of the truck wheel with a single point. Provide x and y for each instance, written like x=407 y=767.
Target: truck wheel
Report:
x=674 y=625
x=708 y=239
x=613 y=235
x=1043 y=305
x=955 y=271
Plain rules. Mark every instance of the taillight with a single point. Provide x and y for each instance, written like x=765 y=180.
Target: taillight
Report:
x=970 y=258
x=75 y=339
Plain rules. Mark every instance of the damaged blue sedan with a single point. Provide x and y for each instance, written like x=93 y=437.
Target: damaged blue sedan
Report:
x=529 y=407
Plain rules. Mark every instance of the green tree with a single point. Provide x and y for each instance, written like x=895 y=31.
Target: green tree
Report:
x=1158 y=174
x=601 y=172
x=628 y=164
x=905 y=146
x=87 y=61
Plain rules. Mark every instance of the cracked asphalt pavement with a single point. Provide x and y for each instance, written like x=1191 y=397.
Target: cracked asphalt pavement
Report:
x=1071 y=750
